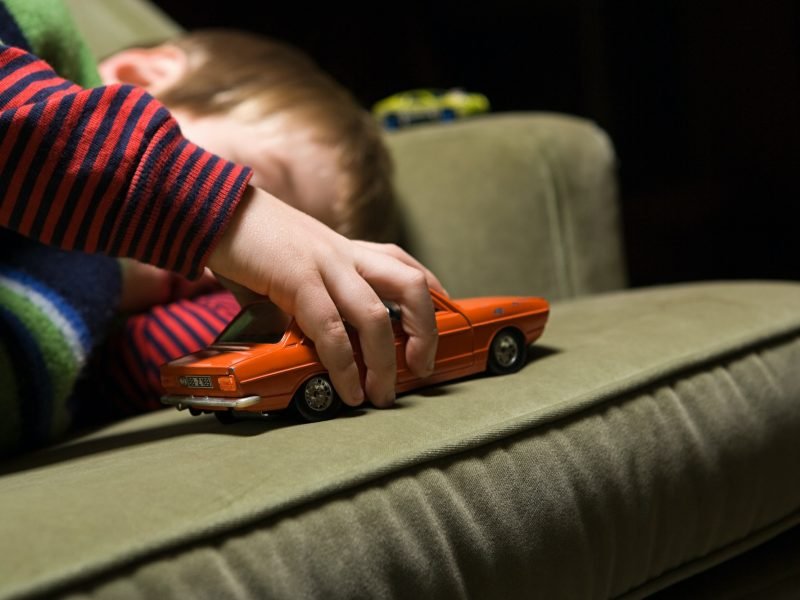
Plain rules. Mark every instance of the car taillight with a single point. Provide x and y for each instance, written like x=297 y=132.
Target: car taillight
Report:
x=227 y=383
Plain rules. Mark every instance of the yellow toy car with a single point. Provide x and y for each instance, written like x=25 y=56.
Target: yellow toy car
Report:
x=414 y=106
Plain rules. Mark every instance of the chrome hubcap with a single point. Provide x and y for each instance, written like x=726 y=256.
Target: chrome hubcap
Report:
x=318 y=394
x=506 y=350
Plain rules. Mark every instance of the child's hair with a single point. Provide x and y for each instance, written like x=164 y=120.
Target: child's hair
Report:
x=248 y=75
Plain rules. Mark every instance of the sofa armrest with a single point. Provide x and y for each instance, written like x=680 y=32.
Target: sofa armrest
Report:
x=511 y=203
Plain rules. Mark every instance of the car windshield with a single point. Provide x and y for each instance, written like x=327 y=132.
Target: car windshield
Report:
x=259 y=323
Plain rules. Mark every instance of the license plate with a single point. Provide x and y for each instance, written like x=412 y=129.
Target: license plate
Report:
x=196 y=381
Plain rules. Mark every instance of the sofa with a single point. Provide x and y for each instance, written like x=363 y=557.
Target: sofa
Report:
x=649 y=447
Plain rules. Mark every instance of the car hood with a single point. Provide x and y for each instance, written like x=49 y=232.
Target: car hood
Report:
x=501 y=305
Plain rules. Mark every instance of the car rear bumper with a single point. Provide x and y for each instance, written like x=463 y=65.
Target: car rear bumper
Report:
x=210 y=402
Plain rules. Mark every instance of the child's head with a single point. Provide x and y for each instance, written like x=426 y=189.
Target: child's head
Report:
x=265 y=104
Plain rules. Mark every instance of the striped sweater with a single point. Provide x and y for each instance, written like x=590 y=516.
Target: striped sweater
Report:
x=85 y=174
x=128 y=373
x=106 y=170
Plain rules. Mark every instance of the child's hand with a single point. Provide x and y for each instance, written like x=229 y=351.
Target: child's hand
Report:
x=320 y=277
x=144 y=286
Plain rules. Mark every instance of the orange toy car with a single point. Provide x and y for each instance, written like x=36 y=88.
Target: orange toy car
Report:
x=263 y=363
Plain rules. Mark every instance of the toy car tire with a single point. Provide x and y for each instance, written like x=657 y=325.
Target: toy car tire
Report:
x=507 y=352
x=316 y=399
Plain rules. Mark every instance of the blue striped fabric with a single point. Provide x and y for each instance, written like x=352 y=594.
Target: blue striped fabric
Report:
x=49 y=300
x=56 y=306
x=31 y=378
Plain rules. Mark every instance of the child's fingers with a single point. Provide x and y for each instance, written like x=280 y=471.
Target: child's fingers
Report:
x=404 y=257
x=362 y=308
x=408 y=287
x=318 y=317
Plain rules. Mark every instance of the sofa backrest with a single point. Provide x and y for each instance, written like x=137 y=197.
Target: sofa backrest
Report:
x=514 y=203
x=501 y=204
x=111 y=25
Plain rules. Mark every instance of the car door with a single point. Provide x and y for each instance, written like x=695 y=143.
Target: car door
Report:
x=456 y=343
x=455 y=348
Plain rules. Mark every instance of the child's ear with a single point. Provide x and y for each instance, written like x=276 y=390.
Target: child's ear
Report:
x=155 y=69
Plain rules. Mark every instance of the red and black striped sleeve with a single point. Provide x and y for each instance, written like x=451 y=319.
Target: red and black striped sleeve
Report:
x=107 y=170
x=130 y=372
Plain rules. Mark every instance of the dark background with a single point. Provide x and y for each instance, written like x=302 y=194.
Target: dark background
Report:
x=701 y=99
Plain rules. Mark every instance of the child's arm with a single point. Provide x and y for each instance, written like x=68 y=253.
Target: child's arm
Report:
x=144 y=286
x=107 y=170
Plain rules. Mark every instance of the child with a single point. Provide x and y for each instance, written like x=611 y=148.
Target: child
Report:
x=258 y=102
x=264 y=104
x=106 y=171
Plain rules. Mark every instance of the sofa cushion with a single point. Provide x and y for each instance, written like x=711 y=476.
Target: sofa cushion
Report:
x=653 y=433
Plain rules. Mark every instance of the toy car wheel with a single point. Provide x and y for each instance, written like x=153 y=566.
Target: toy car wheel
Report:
x=226 y=417
x=507 y=353
x=447 y=114
x=316 y=400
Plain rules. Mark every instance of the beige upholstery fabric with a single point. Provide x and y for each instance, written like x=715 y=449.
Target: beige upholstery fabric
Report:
x=512 y=204
x=652 y=431
x=111 y=25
